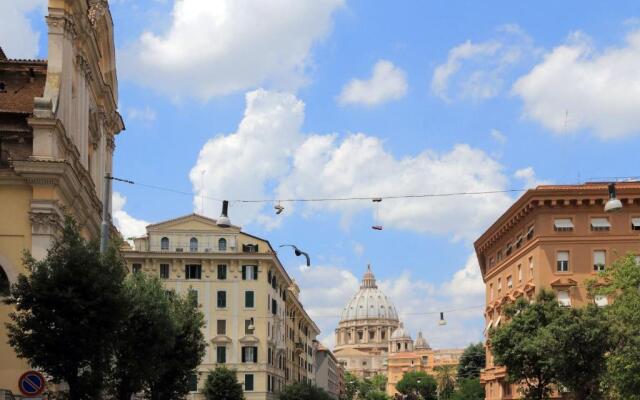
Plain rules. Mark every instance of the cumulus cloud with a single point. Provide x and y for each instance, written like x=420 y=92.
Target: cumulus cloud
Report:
x=528 y=176
x=577 y=87
x=145 y=115
x=477 y=70
x=218 y=47
x=18 y=37
x=272 y=158
x=128 y=225
x=387 y=83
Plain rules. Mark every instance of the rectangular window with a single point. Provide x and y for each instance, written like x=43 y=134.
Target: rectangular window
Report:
x=164 y=271
x=635 y=224
x=222 y=299
x=519 y=241
x=509 y=282
x=499 y=255
x=599 y=260
x=519 y=272
x=492 y=262
x=249 y=272
x=221 y=354
x=499 y=285
x=491 y=292
x=509 y=249
x=563 y=298
x=193 y=382
x=274 y=307
x=221 y=327
x=193 y=271
x=249 y=354
x=135 y=268
x=530 y=267
x=563 y=225
x=269 y=356
x=222 y=272
x=600 y=224
x=249 y=327
x=248 y=382
x=530 y=232
x=249 y=299
x=562 y=261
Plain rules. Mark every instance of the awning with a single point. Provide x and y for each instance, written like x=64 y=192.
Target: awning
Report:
x=635 y=222
x=497 y=321
x=563 y=223
x=488 y=326
x=600 y=223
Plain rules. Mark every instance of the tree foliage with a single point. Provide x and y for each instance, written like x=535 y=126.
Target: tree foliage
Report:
x=179 y=362
x=469 y=389
x=622 y=283
x=222 y=384
x=446 y=379
x=303 y=391
x=68 y=311
x=473 y=359
x=147 y=330
x=417 y=383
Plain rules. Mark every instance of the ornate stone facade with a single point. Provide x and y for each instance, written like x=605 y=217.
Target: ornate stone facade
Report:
x=58 y=120
x=362 y=336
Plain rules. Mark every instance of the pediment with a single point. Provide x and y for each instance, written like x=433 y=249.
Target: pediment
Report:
x=221 y=339
x=190 y=223
x=249 y=339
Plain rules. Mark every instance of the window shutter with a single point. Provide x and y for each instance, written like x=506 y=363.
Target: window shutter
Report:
x=244 y=272
x=244 y=358
x=186 y=272
x=255 y=354
x=255 y=272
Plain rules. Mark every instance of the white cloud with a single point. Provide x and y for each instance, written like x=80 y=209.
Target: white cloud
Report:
x=126 y=224
x=528 y=176
x=477 y=70
x=387 y=83
x=466 y=282
x=218 y=47
x=358 y=249
x=18 y=37
x=269 y=152
x=145 y=115
x=498 y=136
x=577 y=87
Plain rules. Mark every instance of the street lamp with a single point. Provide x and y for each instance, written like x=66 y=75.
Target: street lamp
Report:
x=299 y=253
x=223 y=221
x=613 y=204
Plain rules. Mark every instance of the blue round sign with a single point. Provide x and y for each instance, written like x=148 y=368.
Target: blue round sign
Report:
x=31 y=383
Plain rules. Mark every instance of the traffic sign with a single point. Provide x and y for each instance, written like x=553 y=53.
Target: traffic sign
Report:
x=31 y=383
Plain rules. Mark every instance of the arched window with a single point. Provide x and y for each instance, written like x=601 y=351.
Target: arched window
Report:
x=222 y=244
x=193 y=244
x=164 y=243
x=4 y=283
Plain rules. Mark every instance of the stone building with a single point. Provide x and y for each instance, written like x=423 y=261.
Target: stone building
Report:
x=366 y=324
x=255 y=322
x=406 y=355
x=329 y=374
x=58 y=121
x=554 y=237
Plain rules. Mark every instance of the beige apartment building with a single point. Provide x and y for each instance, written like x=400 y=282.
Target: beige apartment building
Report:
x=406 y=355
x=255 y=322
x=58 y=121
x=555 y=237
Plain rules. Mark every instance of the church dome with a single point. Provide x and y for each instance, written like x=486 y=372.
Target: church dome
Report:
x=400 y=333
x=421 y=342
x=369 y=302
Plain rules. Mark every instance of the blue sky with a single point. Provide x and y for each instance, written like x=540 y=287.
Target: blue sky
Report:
x=332 y=98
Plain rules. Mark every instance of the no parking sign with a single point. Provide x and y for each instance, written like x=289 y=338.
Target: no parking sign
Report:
x=31 y=383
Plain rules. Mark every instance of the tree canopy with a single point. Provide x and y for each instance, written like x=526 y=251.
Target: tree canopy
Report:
x=418 y=383
x=469 y=389
x=473 y=359
x=303 y=391
x=222 y=384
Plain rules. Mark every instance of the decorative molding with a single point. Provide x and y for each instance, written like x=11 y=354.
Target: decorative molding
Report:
x=97 y=8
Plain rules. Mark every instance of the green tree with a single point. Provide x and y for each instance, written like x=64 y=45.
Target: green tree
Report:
x=222 y=384
x=525 y=345
x=623 y=361
x=469 y=389
x=147 y=330
x=178 y=362
x=351 y=386
x=418 y=383
x=376 y=394
x=67 y=312
x=379 y=382
x=473 y=359
x=446 y=379
x=303 y=391
x=582 y=337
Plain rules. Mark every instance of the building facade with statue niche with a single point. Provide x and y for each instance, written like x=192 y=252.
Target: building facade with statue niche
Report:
x=58 y=121
x=366 y=324
x=255 y=322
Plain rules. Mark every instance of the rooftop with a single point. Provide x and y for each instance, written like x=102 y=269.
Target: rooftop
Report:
x=20 y=82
